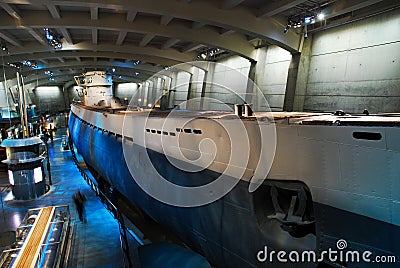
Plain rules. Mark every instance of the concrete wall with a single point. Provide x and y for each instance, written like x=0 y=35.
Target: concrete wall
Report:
x=181 y=87
x=125 y=91
x=49 y=99
x=227 y=81
x=356 y=66
x=6 y=99
x=230 y=76
x=271 y=74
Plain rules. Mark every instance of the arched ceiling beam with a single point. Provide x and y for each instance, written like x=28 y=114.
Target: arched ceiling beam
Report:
x=170 y=43
x=276 y=7
x=165 y=19
x=124 y=69
x=131 y=15
x=94 y=13
x=64 y=80
x=343 y=6
x=121 y=37
x=12 y=11
x=83 y=54
x=101 y=65
x=10 y=39
x=37 y=36
x=240 y=19
x=146 y=39
x=166 y=55
x=229 y=4
x=121 y=67
x=236 y=43
x=55 y=13
x=70 y=76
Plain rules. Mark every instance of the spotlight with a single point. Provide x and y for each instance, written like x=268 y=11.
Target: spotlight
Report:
x=52 y=39
x=4 y=48
x=17 y=65
x=136 y=73
x=321 y=16
x=48 y=73
x=113 y=70
x=288 y=26
x=208 y=54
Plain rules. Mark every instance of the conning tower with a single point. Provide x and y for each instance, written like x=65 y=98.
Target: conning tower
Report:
x=96 y=88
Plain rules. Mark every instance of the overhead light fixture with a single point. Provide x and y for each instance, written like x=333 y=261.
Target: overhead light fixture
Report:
x=52 y=39
x=4 y=48
x=137 y=62
x=51 y=79
x=309 y=14
x=288 y=26
x=17 y=65
x=307 y=20
x=30 y=64
x=208 y=54
x=113 y=70
x=136 y=73
x=48 y=73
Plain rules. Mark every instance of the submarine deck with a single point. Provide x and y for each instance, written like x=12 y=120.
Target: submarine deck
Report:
x=304 y=118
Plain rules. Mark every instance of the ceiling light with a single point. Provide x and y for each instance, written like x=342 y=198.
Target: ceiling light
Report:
x=4 y=48
x=321 y=16
x=52 y=39
x=15 y=65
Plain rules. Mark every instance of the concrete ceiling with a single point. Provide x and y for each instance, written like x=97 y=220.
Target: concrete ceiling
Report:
x=101 y=35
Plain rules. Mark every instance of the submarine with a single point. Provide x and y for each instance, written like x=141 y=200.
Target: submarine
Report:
x=236 y=186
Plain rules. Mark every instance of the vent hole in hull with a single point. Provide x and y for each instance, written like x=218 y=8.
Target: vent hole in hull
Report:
x=371 y=136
